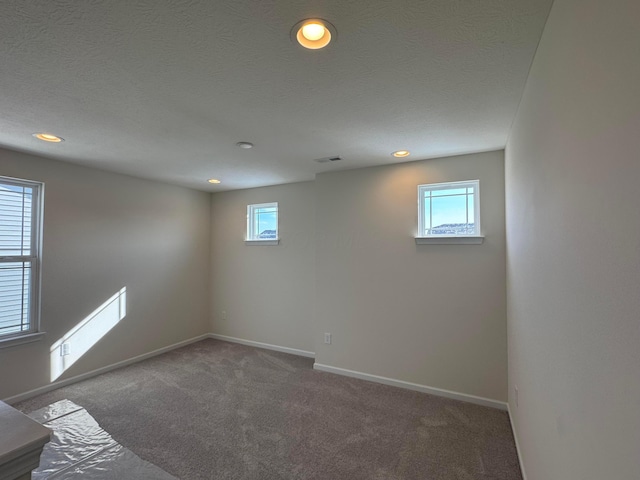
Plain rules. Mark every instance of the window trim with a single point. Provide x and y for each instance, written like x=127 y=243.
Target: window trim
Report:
x=475 y=238
x=460 y=240
x=251 y=234
x=264 y=242
x=35 y=259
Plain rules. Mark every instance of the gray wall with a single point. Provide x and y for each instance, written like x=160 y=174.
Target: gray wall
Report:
x=103 y=232
x=267 y=292
x=347 y=264
x=573 y=234
x=428 y=314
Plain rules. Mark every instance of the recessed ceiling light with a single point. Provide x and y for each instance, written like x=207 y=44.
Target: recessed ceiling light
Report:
x=47 y=137
x=244 y=144
x=401 y=153
x=313 y=33
x=213 y=180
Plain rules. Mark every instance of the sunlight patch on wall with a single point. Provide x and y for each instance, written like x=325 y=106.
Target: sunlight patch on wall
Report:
x=81 y=338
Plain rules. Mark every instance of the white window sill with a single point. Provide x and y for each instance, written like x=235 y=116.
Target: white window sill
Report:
x=466 y=240
x=21 y=339
x=262 y=242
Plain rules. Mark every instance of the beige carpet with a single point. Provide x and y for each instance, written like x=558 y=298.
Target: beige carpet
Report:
x=216 y=410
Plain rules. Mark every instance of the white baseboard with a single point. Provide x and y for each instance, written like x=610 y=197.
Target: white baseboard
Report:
x=251 y=343
x=294 y=351
x=84 y=376
x=486 y=402
x=515 y=438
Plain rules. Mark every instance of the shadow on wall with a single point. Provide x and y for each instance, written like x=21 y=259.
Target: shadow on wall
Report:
x=80 y=339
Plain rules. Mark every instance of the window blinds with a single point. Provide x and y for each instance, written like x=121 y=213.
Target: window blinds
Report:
x=17 y=257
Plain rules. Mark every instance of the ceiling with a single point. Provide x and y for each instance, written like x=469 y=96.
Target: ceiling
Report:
x=163 y=89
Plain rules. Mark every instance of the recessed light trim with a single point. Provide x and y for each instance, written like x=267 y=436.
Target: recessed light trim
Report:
x=313 y=33
x=215 y=181
x=48 y=137
x=244 y=145
x=401 y=153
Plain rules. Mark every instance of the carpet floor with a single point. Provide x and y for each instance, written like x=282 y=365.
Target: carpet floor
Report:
x=218 y=410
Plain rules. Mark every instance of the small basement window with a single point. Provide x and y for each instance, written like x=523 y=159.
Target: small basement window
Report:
x=449 y=211
x=262 y=224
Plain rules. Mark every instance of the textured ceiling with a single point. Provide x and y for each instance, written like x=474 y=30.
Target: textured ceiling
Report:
x=163 y=89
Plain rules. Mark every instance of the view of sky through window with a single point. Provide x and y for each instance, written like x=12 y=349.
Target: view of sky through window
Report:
x=266 y=221
x=262 y=221
x=448 y=209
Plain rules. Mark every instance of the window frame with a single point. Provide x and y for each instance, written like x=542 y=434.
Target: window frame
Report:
x=35 y=261
x=475 y=237
x=252 y=233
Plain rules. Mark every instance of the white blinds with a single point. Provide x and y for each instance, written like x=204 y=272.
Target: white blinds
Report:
x=17 y=256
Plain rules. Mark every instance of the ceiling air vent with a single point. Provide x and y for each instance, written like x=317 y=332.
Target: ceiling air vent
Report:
x=327 y=159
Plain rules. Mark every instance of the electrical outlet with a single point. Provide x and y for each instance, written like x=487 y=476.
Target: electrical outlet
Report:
x=224 y=314
x=327 y=338
x=65 y=349
x=515 y=395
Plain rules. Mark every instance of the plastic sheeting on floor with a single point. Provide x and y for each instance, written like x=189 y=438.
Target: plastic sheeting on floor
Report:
x=80 y=448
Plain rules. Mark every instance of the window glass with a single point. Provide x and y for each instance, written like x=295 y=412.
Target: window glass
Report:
x=262 y=221
x=449 y=209
x=19 y=240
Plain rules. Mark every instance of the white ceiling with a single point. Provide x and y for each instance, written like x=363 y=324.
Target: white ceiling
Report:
x=164 y=89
